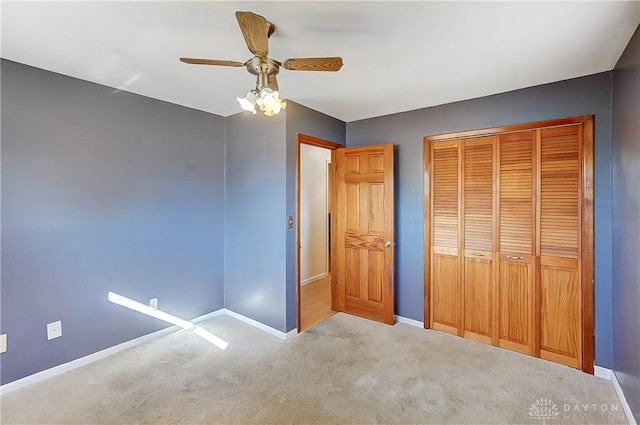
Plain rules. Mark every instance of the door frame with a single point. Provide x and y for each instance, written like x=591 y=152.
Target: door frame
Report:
x=587 y=223
x=322 y=143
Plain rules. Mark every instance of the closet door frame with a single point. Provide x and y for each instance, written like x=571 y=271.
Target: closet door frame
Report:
x=587 y=223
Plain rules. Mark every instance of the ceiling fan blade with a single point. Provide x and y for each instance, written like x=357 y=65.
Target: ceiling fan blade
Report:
x=256 y=30
x=210 y=62
x=273 y=83
x=313 y=64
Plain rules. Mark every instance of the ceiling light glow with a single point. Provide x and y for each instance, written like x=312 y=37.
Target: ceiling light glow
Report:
x=248 y=103
x=269 y=102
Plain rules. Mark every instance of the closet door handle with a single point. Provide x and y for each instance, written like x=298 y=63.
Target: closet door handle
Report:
x=477 y=254
x=513 y=257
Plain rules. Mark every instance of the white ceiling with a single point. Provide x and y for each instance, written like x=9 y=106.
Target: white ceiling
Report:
x=397 y=56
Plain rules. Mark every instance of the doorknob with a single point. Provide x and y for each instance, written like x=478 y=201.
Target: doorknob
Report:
x=387 y=244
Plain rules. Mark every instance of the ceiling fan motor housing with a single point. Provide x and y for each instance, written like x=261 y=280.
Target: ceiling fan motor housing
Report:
x=263 y=67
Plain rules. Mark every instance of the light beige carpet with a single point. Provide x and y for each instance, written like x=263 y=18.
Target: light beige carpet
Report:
x=345 y=370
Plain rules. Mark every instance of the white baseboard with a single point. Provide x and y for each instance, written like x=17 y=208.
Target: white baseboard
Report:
x=82 y=361
x=603 y=372
x=208 y=316
x=623 y=400
x=261 y=326
x=293 y=332
x=313 y=278
x=407 y=321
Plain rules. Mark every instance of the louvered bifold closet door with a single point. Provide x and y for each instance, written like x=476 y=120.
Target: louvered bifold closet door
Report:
x=559 y=226
x=445 y=264
x=516 y=278
x=478 y=223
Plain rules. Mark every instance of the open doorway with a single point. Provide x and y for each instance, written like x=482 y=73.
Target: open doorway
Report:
x=314 y=206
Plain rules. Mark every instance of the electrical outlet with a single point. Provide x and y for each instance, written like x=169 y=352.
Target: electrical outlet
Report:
x=3 y=343
x=153 y=303
x=54 y=330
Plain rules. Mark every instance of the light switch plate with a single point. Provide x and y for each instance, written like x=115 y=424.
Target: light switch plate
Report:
x=153 y=303
x=54 y=330
x=3 y=343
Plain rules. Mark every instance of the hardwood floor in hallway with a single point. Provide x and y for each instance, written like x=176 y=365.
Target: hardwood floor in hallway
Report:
x=315 y=302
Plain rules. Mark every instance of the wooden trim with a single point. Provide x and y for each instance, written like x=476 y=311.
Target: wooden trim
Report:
x=427 y=232
x=495 y=330
x=389 y=201
x=461 y=243
x=559 y=358
x=297 y=225
x=334 y=222
x=588 y=340
x=477 y=337
x=338 y=296
x=444 y=328
x=535 y=248
x=313 y=141
x=509 y=128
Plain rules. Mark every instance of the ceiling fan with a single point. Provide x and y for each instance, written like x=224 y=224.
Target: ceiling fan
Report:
x=256 y=31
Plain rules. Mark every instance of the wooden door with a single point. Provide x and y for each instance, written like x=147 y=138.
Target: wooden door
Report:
x=364 y=213
x=559 y=227
x=478 y=223
x=445 y=276
x=517 y=243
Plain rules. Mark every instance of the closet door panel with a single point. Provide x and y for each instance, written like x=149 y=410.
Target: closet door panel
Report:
x=478 y=212
x=560 y=203
x=446 y=293
x=560 y=311
x=478 y=298
x=517 y=241
x=445 y=262
x=516 y=303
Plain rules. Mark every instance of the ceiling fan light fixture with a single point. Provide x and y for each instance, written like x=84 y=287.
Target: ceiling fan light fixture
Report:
x=269 y=102
x=256 y=31
x=248 y=103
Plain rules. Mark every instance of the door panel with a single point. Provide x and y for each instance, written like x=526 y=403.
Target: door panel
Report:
x=446 y=282
x=478 y=298
x=478 y=222
x=517 y=212
x=352 y=273
x=560 y=191
x=364 y=234
x=375 y=276
x=516 y=304
x=560 y=333
x=516 y=277
x=560 y=182
x=445 y=293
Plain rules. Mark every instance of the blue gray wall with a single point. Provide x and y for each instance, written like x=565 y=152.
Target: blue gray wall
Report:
x=256 y=218
x=587 y=95
x=260 y=191
x=626 y=223
x=301 y=119
x=102 y=190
